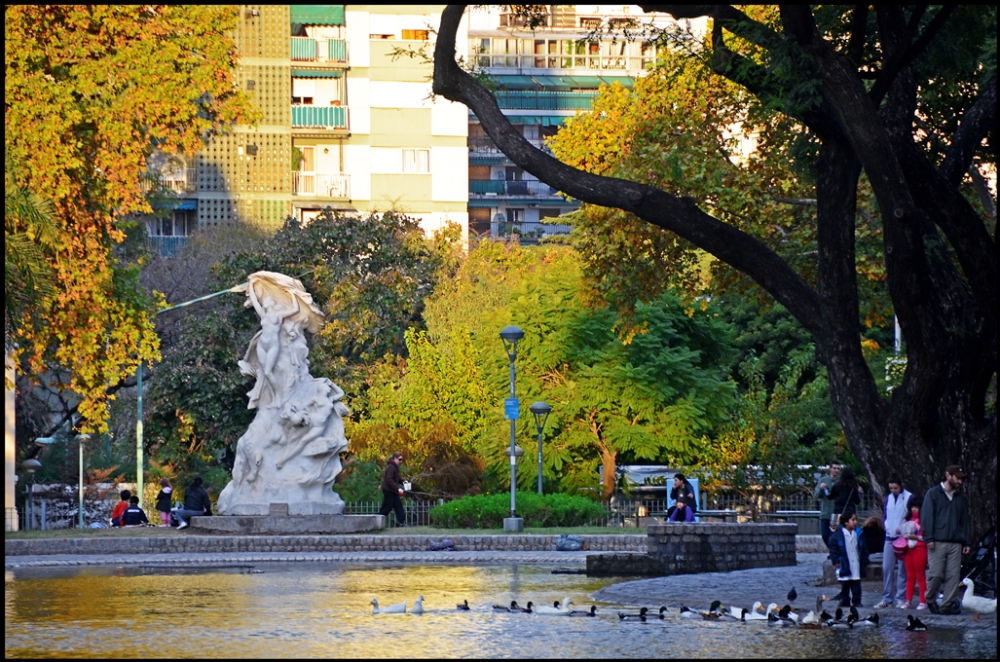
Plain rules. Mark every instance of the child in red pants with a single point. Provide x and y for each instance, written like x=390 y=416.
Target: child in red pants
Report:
x=915 y=559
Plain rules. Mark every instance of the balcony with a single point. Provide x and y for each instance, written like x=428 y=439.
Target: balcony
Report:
x=180 y=181
x=525 y=187
x=544 y=99
x=319 y=117
x=321 y=51
x=484 y=146
x=166 y=246
x=321 y=184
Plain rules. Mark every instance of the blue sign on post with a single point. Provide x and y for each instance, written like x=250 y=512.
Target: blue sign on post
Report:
x=511 y=409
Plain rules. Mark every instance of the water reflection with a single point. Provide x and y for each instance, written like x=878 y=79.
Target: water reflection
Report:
x=300 y=610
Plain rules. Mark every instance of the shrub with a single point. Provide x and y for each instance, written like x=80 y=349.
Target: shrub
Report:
x=488 y=511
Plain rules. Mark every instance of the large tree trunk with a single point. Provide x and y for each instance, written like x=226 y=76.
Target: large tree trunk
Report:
x=941 y=261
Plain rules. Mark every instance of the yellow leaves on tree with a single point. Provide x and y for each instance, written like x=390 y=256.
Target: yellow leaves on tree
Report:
x=90 y=91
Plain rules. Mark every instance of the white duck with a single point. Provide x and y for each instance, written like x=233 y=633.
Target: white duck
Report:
x=391 y=609
x=755 y=613
x=557 y=609
x=813 y=617
x=976 y=603
x=418 y=605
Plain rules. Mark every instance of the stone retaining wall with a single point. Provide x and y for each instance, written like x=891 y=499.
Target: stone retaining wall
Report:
x=689 y=548
x=183 y=544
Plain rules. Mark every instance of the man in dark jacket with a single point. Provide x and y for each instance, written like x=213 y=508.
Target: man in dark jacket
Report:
x=944 y=519
x=392 y=490
x=196 y=503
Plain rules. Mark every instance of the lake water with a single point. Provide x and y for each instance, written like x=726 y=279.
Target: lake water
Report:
x=323 y=610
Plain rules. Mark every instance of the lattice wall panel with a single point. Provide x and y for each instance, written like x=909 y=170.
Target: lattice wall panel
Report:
x=266 y=34
x=223 y=168
x=212 y=213
x=268 y=213
x=272 y=91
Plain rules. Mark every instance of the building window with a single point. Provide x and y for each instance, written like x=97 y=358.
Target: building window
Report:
x=178 y=224
x=416 y=35
x=416 y=161
x=381 y=36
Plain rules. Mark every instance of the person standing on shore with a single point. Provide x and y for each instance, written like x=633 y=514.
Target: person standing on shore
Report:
x=945 y=521
x=916 y=554
x=850 y=558
x=825 y=505
x=893 y=569
x=163 y=502
x=392 y=490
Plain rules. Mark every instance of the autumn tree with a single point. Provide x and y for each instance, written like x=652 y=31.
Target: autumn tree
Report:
x=860 y=84
x=90 y=91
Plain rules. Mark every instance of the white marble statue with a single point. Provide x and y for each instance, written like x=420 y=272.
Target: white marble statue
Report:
x=291 y=451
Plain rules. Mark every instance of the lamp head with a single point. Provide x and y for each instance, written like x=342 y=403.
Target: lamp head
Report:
x=518 y=451
x=541 y=411
x=31 y=465
x=82 y=438
x=45 y=441
x=510 y=337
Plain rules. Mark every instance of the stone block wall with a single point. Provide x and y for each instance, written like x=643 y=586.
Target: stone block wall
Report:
x=195 y=543
x=689 y=548
x=721 y=547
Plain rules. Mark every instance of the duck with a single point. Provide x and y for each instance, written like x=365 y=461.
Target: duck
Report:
x=513 y=605
x=914 y=624
x=522 y=610
x=792 y=595
x=742 y=617
x=789 y=613
x=838 y=622
x=556 y=609
x=856 y=619
x=735 y=611
x=418 y=605
x=464 y=606
x=641 y=616
x=976 y=603
x=712 y=614
x=663 y=612
x=687 y=613
x=578 y=612
x=391 y=609
x=812 y=618
x=755 y=613
x=779 y=617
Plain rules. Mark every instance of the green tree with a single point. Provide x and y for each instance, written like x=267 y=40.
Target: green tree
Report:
x=89 y=91
x=855 y=83
x=369 y=274
x=649 y=399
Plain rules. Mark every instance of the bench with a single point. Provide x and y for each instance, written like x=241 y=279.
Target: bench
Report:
x=719 y=514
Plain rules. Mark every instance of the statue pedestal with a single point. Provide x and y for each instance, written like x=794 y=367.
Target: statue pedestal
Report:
x=513 y=525
x=248 y=525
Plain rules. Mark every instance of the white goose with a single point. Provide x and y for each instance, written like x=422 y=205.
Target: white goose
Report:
x=976 y=603
x=391 y=609
x=813 y=618
x=418 y=606
x=558 y=608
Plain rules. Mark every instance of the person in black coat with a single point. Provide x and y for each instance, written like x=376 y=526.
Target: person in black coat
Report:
x=196 y=502
x=163 y=504
x=849 y=554
x=845 y=494
x=392 y=490
x=134 y=515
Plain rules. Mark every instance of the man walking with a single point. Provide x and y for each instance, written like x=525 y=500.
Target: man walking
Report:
x=826 y=505
x=392 y=490
x=893 y=570
x=945 y=521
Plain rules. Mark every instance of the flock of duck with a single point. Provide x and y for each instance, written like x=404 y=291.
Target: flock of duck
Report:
x=817 y=618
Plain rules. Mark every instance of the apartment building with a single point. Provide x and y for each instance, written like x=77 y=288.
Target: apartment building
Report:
x=346 y=125
x=544 y=74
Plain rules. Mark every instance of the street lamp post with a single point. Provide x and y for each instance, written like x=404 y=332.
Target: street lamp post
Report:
x=138 y=423
x=30 y=465
x=81 y=439
x=510 y=336
x=541 y=412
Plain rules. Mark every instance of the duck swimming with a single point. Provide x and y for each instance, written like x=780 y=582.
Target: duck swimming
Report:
x=556 y=609
x=464 y=606
x=687 y=613
x=418 y=605
x=755 y=613
x=580 y=612
x=391 y=609
x=812 y=618
x=712 y=614
x=522 y=610
x=641 y=616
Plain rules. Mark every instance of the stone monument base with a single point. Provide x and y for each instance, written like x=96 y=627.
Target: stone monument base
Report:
x=249 y=525
x=513 y=525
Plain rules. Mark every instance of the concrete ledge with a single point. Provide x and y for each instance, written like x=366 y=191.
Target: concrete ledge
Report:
x=283 y=525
